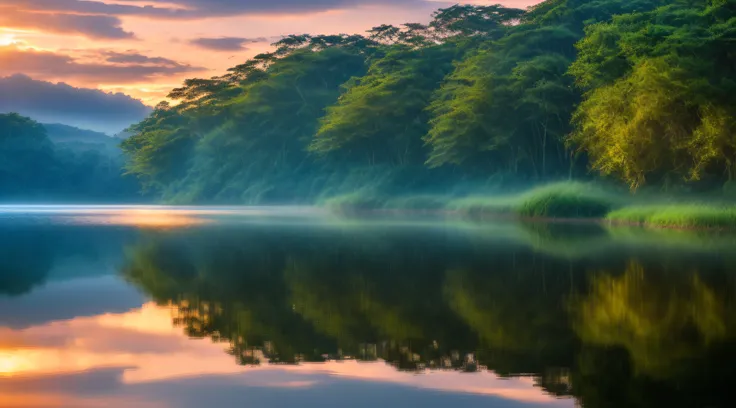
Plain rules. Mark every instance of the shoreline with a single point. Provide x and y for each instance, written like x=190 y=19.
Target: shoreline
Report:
x=510 y=216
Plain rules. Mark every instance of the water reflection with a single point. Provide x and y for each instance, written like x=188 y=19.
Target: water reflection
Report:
x=32 y=253
x=662 y=317
x=558 y=315
x=140 y=347
x=445 y=302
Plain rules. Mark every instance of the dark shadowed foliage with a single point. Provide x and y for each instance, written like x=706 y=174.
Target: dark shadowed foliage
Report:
x=58 y=163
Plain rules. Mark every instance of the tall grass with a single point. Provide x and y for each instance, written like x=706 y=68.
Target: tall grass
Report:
x=566 y=200
x=677 y=216
x=558 y=200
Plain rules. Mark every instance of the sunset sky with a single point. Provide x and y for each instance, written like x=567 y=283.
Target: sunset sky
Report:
x=143 y=48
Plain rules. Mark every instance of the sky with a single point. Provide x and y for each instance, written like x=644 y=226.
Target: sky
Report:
x=144 y=48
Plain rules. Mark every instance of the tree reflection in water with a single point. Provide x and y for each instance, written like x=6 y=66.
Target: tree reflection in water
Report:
x=624 y=329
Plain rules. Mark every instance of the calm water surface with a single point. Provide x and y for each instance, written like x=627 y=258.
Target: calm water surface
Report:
x=275 y=307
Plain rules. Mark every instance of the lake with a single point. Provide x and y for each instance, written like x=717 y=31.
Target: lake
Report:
x=115 y=306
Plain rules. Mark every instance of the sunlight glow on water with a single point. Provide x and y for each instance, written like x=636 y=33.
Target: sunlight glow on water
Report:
x=149 y=216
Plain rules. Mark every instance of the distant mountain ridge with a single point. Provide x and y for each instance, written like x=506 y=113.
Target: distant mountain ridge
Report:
x=58 y=132
x=81 y=139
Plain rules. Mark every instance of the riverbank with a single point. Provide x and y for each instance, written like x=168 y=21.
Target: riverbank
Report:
x=558 y=202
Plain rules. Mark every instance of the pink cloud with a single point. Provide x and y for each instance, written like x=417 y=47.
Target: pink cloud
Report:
x=142 y=347
x=94 y=26
x=117 y=67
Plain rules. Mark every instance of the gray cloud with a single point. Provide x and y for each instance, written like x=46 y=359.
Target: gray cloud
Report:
x=61 y=103
x=93 y=26
x=132 y=57
x=102 y=20
x=117 y=67
x=226 y=7
x=226 y=43
x=194 y=9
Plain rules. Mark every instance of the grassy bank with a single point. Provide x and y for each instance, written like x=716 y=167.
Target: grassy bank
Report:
x=568 y=200
x=561 y=200
x=676 y=216
x=554 y=201
x=557 y=200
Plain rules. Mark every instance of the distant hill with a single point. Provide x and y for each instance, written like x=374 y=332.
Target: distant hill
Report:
x=60 y=164
x=81 y=139
x=63 y=133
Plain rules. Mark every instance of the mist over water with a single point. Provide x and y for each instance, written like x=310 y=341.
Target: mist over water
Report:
x=274 y=306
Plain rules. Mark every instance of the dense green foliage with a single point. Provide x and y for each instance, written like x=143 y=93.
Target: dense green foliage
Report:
x=26 y=156
x=481 y=96
x=481 y=99
x=60 y=163
x=319 y=116
x=659 y=93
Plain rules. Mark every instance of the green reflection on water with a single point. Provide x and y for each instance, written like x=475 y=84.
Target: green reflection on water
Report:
x=614 y=317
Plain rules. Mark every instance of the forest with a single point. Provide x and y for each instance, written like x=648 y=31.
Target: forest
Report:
x=57 y=163
x=633 y=93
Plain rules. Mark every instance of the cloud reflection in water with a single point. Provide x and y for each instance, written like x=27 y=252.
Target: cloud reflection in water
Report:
x=138 y=358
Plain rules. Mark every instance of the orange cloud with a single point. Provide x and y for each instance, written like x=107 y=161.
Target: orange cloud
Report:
x=195 y=9
x=118 y=67
x=94 y=26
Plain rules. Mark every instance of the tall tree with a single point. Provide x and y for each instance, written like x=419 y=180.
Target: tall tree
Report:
x=659 y=102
